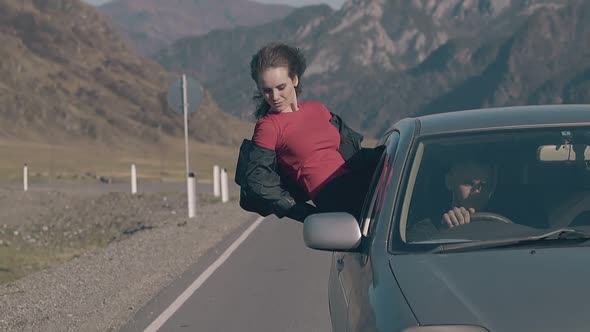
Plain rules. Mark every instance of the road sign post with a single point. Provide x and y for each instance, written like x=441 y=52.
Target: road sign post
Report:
x=184 y=96
x=185 y=112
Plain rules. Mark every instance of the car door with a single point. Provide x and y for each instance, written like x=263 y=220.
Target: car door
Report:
x=336 y=296
x=340 y=281
x=344 y=269
x=359 y=265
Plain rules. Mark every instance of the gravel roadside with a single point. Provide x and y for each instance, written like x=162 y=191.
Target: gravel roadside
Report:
x=101 y=289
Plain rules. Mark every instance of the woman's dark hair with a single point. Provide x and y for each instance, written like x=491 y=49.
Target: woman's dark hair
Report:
x=271 y=56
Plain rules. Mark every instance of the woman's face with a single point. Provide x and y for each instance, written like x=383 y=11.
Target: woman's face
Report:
x=278 y=89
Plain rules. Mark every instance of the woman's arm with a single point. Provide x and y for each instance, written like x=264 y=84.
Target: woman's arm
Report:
x=263 y=182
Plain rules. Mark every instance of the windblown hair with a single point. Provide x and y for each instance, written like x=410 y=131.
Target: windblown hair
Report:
x=271 y=56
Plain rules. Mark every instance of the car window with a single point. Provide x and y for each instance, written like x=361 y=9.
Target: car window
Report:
x=497 y=185
x=379 y=185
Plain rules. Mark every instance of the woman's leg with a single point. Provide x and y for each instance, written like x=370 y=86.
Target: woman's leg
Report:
x=345 y=193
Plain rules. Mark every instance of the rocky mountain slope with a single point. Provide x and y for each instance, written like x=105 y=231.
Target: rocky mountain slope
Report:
x=220 y=59
x=375 y=61
x=152 y=24
x=65 y=75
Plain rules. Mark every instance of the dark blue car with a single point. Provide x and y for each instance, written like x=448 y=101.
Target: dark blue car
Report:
x=475 y=221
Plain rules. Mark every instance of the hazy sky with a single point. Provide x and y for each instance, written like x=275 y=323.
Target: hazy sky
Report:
x=333 y=3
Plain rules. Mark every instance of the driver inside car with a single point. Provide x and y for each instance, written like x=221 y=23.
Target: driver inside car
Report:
x=470 y=185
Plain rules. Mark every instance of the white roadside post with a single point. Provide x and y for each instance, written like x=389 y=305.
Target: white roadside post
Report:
x=26 y=177
x=216 y=181
x=133 y=179
x=192 y=195
x=224 y=188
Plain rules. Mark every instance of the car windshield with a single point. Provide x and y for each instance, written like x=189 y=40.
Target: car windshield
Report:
x=498 y=185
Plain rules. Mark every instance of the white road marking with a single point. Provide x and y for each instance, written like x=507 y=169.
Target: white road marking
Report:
x=166 y=314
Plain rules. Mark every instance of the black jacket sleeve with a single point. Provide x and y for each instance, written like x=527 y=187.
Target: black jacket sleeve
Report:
x=261 y=176
x=265 y=191
x=350 y=140
x=356 y=157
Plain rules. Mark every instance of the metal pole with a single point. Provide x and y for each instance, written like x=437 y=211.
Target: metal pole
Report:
x=190 y=178
x=185 y=109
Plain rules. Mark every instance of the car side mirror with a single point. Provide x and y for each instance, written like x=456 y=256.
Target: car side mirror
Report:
x=334 y=231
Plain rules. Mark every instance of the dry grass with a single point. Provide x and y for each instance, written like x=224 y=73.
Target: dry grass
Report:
x=19 y=262
x=84 y=162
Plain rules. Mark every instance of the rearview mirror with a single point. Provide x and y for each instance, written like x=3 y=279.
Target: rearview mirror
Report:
x=334 y=231
x=565 y=152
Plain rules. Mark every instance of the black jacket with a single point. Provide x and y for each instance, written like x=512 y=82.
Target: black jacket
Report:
x=264 y=190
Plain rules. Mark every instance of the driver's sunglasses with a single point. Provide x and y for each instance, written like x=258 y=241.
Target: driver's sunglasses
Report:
x=477 y=185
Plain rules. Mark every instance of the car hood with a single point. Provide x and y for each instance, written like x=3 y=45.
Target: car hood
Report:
x=501 y=290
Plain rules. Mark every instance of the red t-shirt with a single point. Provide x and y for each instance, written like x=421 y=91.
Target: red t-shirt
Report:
x=306 y=144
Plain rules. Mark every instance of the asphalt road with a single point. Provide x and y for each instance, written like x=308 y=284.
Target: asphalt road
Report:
x=271 y=282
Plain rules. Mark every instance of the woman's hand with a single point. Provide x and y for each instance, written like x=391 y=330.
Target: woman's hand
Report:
x=301 y=211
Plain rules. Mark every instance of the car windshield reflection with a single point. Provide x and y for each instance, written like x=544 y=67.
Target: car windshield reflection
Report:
x=498 y=185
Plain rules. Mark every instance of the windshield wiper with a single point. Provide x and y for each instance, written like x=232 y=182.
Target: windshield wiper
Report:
x=442 y=241
x=558 y=234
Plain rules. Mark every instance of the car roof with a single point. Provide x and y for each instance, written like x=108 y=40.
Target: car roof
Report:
x=503 y=118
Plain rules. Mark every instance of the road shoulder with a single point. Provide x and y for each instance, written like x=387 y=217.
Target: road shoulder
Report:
x=103 y=289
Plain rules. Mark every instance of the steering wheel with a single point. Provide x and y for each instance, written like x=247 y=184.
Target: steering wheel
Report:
x=488 y=216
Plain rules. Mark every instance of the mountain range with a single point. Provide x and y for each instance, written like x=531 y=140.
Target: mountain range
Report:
x=375 y=61
x=67 y=76
x=149 y=25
